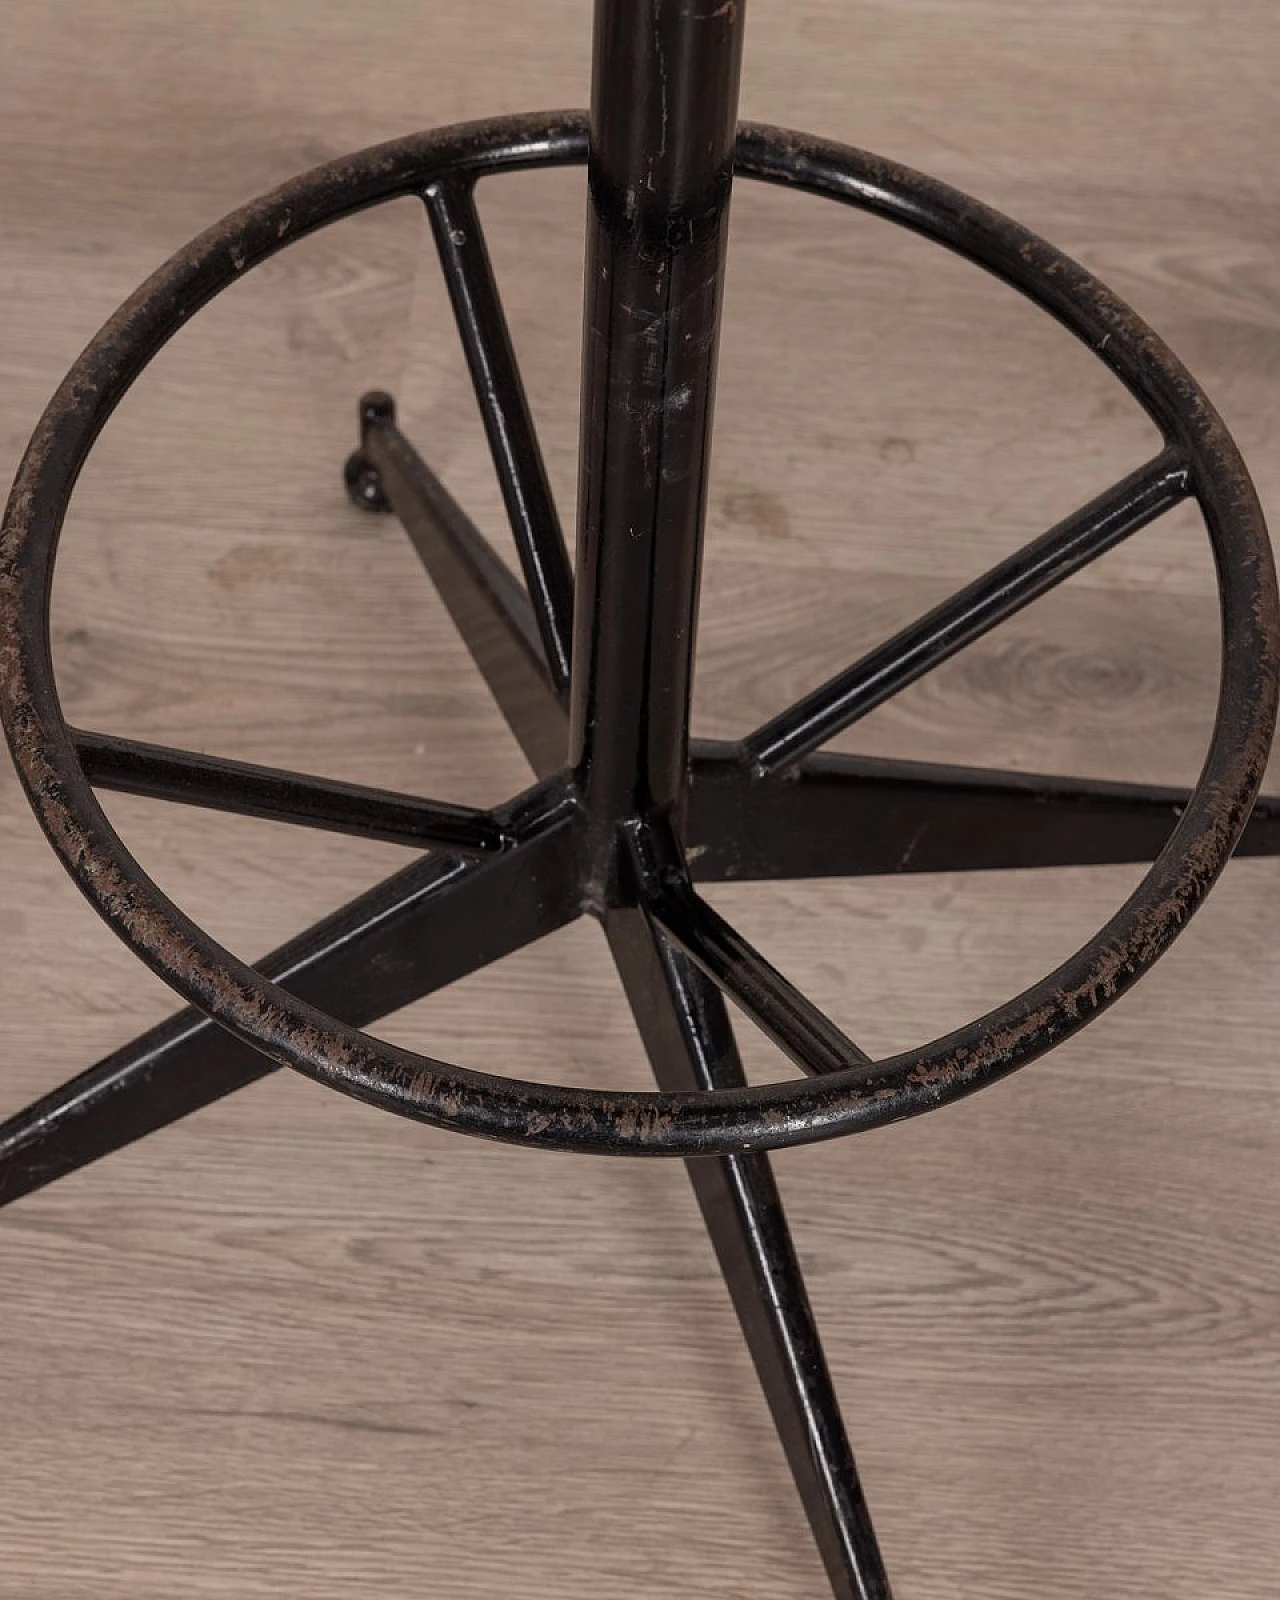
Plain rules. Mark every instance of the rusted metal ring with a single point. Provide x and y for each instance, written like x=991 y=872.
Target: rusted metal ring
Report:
x=296 y=1034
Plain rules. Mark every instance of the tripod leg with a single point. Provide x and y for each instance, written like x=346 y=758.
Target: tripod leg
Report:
x=686 y=1031
x=410 y=935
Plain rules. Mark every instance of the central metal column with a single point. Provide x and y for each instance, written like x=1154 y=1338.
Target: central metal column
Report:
x=663 y=118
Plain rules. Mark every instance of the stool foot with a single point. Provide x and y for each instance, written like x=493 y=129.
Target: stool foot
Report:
x=364 y=486
x=362 y=478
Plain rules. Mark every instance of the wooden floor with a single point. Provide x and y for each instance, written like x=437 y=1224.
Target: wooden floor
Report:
x=297 y=1348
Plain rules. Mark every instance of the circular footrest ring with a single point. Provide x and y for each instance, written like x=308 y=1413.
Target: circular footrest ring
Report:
x=852 y=1098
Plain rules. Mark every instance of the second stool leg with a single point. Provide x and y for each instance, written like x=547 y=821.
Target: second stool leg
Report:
x=686 y=1030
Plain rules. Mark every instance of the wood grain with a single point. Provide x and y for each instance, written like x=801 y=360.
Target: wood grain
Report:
x=296 y=1348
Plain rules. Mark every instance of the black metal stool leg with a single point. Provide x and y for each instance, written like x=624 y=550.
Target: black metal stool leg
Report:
x=838 y=816
x=685 y=1026
x=426 y=927
x=489 y=608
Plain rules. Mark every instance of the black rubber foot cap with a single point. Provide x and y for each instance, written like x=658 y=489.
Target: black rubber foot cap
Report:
x=364 y=485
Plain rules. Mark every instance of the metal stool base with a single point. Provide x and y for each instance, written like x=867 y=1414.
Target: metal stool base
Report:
x=772 y=807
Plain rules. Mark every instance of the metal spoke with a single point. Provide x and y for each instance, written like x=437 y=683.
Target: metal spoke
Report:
x=522 y=474
x=429 y=925
x=132 y=767
x=1000 y=592
x=683 y=1020
x=489 y=607
x=794 y=1023
x=838 y=816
